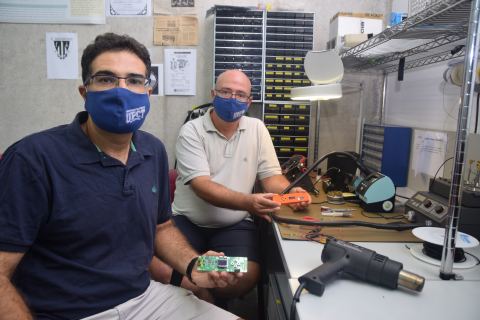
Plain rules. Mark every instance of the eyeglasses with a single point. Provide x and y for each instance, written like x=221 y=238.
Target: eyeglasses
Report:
x=135 y=83
x=227 y=94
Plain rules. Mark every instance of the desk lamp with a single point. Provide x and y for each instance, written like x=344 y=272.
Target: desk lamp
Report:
x=324 y=69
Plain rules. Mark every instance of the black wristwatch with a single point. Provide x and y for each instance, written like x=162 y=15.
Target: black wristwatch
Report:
x=190 y=269
x=176 y=278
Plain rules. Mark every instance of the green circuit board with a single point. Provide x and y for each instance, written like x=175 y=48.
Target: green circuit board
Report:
x=222 y=263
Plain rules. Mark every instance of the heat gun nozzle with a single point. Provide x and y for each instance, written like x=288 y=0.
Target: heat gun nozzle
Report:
x=410 y=280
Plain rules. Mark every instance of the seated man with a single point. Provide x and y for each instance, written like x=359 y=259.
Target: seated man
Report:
x=220 y=156
x=84 y=206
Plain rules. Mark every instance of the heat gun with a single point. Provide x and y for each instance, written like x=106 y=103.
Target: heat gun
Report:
x=344 y=257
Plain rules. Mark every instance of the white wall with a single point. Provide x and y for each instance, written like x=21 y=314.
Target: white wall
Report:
x=30 y=103
x=423 y=100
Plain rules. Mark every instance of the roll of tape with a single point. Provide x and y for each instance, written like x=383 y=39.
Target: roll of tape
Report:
x=477 y=75
x=455 y=73
x=456 y=76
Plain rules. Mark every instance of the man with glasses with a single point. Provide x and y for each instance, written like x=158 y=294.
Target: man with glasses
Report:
x=220 y=156
x=85 y=206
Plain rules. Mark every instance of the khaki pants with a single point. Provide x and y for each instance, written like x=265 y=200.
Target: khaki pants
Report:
x=162 y=301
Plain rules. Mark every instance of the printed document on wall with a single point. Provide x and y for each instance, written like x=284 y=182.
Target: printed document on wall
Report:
x=62 y=55
x=53 y=11
x=131 y=8
x=175 y=31
x=429 y=149
x=180 y=71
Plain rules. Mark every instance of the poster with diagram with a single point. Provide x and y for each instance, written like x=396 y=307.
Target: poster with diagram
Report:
x=180 y=67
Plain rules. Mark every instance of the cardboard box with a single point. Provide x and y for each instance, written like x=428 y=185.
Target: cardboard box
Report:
x=347 y=23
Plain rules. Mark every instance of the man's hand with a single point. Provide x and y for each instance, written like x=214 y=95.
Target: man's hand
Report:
x=201 y=293
x=261 y=204
x=301 y=205
x=214 y=279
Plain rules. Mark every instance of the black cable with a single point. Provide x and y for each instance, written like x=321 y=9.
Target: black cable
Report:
x=473 y=256
x=398 y=226
x=197 y=111
x=381 y=216
x=362 y=168
x=291 y=163
x=435 y=176
x=440 y=257
x=435 y=251
x=397 y=195
x=325 y=176
x=353 y=201
x=295 y=299
x=476 y=114
x=330 y=169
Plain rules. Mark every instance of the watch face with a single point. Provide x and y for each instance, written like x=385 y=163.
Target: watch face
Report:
x=387 y=205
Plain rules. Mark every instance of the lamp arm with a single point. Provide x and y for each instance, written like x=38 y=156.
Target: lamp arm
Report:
x=316 y=163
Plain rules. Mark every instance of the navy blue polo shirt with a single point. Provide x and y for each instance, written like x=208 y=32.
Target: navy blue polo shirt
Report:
x=85 y=221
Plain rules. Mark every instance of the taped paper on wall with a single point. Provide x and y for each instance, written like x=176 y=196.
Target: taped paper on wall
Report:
x=132 y=8
x=62 y=55
x=180 y=71
x=175 y=31
x=429 y=149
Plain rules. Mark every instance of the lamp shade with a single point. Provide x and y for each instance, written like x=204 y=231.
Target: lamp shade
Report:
x=324 y=69
x=317 y=92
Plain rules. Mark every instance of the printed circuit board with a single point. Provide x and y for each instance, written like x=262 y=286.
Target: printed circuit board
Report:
x=222 y=263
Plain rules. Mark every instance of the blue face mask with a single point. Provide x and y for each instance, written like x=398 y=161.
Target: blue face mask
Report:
x=117 y=110
x=230 y=109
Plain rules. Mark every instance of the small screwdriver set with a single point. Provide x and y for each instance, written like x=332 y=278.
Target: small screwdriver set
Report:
x=222 y=263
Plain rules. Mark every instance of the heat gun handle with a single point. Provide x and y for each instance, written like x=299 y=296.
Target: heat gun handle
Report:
x=316 y=279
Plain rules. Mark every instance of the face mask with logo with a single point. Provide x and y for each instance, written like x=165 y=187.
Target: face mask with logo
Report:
x=117 y=110
x=230 y=109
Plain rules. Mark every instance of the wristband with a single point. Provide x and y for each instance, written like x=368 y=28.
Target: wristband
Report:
x=176 y=278
x=190 y=269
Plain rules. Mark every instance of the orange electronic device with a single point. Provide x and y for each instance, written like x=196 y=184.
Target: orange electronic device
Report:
x=289 y=198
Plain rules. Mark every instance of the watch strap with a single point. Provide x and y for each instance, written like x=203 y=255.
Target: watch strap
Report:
x=176 y=278
x=190 y=269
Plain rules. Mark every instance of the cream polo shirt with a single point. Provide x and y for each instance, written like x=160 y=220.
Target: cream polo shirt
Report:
x=201 y=150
